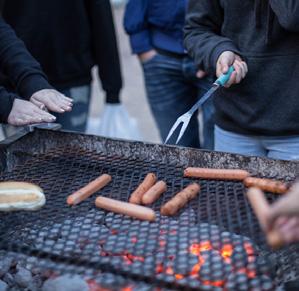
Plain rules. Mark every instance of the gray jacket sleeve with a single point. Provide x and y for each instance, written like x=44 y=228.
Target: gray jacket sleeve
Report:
x=203 y=38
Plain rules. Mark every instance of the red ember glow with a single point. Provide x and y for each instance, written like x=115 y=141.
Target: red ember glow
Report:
x=196 y=249
x=226 y=253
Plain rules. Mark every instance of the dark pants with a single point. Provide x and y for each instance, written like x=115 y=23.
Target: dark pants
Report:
x=76 y=120
x=172 y=89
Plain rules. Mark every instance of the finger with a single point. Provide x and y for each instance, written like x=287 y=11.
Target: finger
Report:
x=61 y=102
x=68 y=98
x=232 y=80
x=245 y=68
x=238 y=71
x=290 y=230
x=38 y=103
x=43 y=115
x=53 y=106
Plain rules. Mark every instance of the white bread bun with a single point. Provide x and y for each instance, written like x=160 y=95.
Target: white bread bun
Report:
x=20 y=196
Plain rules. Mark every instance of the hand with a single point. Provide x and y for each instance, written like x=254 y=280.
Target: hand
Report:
x=24 y=113
x=144 y=57
x=284 y=216
x=228 y=59
x=52 y=100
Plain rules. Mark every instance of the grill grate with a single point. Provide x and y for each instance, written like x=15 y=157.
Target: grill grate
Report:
x=215 y=241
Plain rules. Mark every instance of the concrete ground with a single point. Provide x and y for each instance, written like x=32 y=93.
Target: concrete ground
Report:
x=133 y=94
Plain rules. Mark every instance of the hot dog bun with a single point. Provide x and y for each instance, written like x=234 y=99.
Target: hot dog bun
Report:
x=20 y=196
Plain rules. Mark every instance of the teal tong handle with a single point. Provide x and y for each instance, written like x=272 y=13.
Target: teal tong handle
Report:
x=222 y=80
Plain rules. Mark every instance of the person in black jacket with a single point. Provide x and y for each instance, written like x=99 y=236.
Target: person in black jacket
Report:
x=260 y=38
x=29 y=82
x=68 y=38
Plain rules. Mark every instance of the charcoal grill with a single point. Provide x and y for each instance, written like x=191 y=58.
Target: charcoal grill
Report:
x=215 y=242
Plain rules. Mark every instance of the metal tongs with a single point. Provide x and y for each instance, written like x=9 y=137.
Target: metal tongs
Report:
x=185 y=118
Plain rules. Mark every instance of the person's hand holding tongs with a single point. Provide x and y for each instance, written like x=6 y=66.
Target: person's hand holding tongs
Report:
x=230 y=69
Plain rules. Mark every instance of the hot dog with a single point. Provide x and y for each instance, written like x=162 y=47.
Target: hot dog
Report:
x=268 y=185
x=261 y=208
x=148 y=182
x=216 y=174
x=154 y=193
x=136 y=211
x=180 y=200
x=83 y=193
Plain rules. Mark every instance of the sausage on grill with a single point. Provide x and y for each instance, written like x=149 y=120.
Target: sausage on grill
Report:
x=216 y=174
x=267 y=185
x=180 y=200
x=135 y=211
x=148 y=182
x=92 y=187
x=154 y=193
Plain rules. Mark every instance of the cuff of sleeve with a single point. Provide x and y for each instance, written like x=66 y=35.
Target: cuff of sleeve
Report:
x=6 y=106
x=32 y=84
x=112 y=98
x=219 y=49
x=140 y=42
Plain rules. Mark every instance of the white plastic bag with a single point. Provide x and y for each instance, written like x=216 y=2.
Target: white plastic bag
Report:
x=116 y=122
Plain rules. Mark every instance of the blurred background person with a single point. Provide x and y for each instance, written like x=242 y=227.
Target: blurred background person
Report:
x=173 y=82
x=28 y=82
x=68 y=38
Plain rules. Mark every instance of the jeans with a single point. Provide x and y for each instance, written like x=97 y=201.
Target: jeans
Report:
x=172 y=89
x=276 y=147
x=76 y=120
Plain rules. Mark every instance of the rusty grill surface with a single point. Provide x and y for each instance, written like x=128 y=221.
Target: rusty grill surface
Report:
x=214 y=242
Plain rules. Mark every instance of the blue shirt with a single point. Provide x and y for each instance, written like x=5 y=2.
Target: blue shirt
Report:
x=155 y=24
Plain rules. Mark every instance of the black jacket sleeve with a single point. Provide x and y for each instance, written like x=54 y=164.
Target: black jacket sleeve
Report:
x=202 y=33
x=105 y=48
x=6 y=102
x=287 y=12
x=16 y=62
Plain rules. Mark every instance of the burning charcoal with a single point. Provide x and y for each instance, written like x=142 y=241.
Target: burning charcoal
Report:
x=23 y=277
x=65 y=283
x=5 y=264
x=3 y=286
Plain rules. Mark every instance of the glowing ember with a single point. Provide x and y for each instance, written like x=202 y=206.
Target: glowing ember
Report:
x=162 y=243
x=179 y=276
x=169 y=271
x=159 y=268
x=196 y=249
x=128 y=288
x=214 y=283
x=226 y=252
